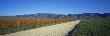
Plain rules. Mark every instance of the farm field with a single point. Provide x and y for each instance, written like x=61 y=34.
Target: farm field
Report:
x=60 y=29
x=92 y=27
x=16 y=25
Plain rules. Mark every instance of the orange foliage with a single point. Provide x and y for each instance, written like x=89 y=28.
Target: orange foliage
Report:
x=28 y=21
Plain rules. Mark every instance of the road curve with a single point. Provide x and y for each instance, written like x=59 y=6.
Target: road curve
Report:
x=53 y=30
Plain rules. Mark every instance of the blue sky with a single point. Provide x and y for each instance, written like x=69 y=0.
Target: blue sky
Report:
x=20 y=7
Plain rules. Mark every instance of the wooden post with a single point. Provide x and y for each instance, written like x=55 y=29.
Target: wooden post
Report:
x=38 y=20
x=18 y=23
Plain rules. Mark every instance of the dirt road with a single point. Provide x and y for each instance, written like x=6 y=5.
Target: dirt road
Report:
x=54 y=30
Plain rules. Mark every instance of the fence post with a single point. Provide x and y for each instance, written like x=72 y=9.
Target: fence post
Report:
x=38 y=20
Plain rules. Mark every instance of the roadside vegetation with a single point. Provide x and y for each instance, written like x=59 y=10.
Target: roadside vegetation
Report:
x=12 y=29
x=92 y=27
x=16 y=25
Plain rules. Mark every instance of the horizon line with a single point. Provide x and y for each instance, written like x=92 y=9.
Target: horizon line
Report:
x=48 y=13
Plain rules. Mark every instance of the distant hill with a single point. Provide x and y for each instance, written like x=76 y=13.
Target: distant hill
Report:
x=42 y=15
x=55 y=16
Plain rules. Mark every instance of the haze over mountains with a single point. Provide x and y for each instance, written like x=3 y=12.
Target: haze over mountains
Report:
x=51 y=15
x=42 y=15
